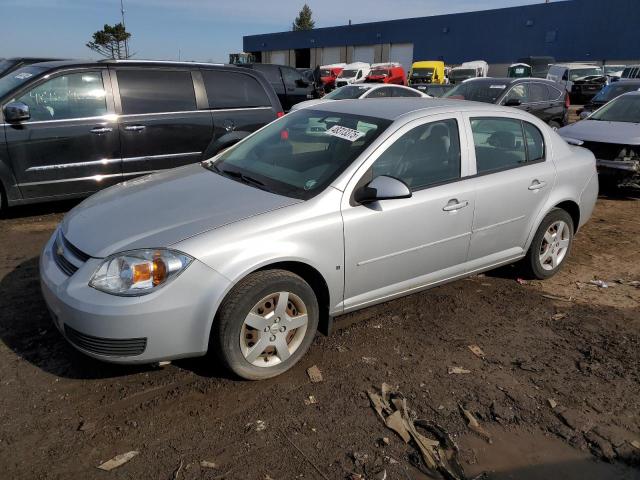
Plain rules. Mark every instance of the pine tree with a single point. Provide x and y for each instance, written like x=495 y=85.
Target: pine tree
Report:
x=111 y=42
x=304 y=21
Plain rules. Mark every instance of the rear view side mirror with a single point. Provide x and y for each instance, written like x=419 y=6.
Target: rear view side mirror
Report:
x=513 y=102
x=382 y=188
x=16 y=112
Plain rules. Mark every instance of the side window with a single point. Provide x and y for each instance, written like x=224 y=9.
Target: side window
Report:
x=538 y=93
x=155 y=91
x=380 y=93
x=290 y=75
x=75 y=95
x=565 y=75
x=535 y=142
x=426 y=155
x=554 y=93
x=360 y=73
x=405 y=92
x=233 y=90
x=518 y=92
x=499 y=143
x=271 y=72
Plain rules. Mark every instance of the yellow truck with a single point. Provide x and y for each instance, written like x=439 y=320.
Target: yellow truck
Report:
x=427 y=72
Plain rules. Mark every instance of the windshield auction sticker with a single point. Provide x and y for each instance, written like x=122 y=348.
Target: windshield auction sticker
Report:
x=345 y=133
x=498 y=86
x=23 y=76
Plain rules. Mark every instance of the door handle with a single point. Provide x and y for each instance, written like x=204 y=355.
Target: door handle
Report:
x=100 y=130
x=454 y=204
x=134 y=128
x=537 y=185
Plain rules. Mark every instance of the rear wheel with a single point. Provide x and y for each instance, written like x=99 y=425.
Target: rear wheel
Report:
x=551 y=245
x=266 y=324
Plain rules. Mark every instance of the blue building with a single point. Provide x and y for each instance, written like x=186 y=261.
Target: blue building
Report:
x=570 y=30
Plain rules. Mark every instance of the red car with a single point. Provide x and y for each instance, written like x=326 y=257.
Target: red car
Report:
x=387 y=73
x=329 y=73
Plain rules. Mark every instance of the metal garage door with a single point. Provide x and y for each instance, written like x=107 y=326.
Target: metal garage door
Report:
x=364 y=53
x=330 y=55
x=279 y=57
x=402 y=53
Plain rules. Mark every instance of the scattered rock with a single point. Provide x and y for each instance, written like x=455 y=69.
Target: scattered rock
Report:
x=458 y=371
x=474 y=425
x=559 y=316
x=477 y=351
x=315 y=375
x=207 y=464
x=576 y=420
x=552 y=402
x=260 y=425
x=117 y=461
x=600 y=446
x=599 y=283
x=310 y=400
x=369 y=360
x=86 y=426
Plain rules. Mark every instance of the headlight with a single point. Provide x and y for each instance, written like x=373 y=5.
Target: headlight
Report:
x=138 y=272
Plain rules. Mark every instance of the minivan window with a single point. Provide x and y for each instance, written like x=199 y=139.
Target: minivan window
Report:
x=426 y=155
x=74 y=95
x=290 y=75
x=155 y=91
x=499 y=143
x=300 y=154
x=233 y=90
x=18 y=78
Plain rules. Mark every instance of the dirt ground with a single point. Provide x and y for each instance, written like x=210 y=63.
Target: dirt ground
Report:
x=557 y=390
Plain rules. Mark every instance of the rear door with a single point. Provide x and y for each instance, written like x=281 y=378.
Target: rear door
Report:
x=239 y=106
x=161 y=123
x=70 y=144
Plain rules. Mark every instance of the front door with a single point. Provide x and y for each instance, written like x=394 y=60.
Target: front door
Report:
x=395 y=246
x=513 y=181
x=161 y=125
x=70 y=145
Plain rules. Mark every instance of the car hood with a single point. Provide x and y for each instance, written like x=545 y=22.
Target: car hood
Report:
x=164 y=208
x=310 y=103
x=606 y=132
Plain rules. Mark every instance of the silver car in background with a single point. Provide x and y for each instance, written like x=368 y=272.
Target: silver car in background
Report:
x=325 y=211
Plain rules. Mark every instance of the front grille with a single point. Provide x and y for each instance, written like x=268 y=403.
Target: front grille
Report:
x=605 y=151
x=68 y=258
x=112 y=347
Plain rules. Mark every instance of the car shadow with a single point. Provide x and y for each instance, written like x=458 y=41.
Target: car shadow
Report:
x=26 y=328
x=39 y=209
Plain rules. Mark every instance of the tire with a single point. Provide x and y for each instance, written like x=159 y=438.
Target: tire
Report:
x=549 y=251
x=248 y=334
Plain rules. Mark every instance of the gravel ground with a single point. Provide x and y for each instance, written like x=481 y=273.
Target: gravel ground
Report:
x=557 y=389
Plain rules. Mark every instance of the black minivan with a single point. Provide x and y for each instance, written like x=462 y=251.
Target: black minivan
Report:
x=71 y=128
x=288 y=83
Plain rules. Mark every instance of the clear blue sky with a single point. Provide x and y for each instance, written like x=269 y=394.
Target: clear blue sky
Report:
x=201 y=29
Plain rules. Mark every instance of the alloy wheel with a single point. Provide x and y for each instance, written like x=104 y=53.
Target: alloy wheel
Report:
x=555 y=245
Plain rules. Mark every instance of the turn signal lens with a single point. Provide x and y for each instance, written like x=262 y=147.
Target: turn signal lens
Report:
x=138 y=272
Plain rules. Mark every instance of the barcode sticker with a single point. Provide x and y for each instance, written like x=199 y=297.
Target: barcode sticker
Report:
x=345 y=133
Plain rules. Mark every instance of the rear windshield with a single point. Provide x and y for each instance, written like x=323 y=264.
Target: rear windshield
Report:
x=348 y=73
x=17 y=78
x=478 y=91
x=466 y=73
x=378 y=72
x=623 y=109
x=614 y=90
x=347 y=92
x=422 y=72
x=325 y=72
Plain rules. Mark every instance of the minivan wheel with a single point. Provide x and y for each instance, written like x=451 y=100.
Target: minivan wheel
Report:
x=265 y=324
x=551 y=244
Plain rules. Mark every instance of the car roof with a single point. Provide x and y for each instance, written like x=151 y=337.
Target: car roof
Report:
x=394 y=108
x=576 y=65
x=133 y=63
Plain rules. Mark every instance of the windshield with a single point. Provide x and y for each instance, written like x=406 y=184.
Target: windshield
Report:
x=17 y=78
x=422 y=72
x=6 y=65
x=325 y=72
x=623 y=109
x=346 y=92
x=614 y=90
x=464 y=73
x=348 y=73
x=379 y=72
x=577 y=73
x=609 y=69
x=519 y=71
x=301 y=154
x=478 y=91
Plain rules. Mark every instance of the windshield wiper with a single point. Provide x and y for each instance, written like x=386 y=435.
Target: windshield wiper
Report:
x=241 y=176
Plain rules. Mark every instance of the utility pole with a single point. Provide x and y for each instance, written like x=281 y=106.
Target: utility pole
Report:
x=126 y=42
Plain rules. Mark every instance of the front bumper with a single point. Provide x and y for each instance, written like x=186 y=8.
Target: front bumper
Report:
x=173 y=322
x=618 y=166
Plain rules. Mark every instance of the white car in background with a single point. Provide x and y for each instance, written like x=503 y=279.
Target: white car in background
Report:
x=353 y=73
x=362 y=91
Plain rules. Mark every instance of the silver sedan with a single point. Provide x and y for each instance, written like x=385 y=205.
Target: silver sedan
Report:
x=325 y=211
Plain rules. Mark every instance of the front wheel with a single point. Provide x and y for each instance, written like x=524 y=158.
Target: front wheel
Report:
x=266 y=324
x=551 y=245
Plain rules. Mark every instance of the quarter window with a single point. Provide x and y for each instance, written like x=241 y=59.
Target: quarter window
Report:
x=538 y=93
x=500 y=143
x=233 y=90
x=76 y=95
x=155 y=91
x=426 y=155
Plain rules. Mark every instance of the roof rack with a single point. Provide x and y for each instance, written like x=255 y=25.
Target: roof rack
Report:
x=168 y=62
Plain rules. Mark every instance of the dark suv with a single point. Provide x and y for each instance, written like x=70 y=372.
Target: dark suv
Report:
x=545 y=99
x=289 y=84
x=71 y=128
